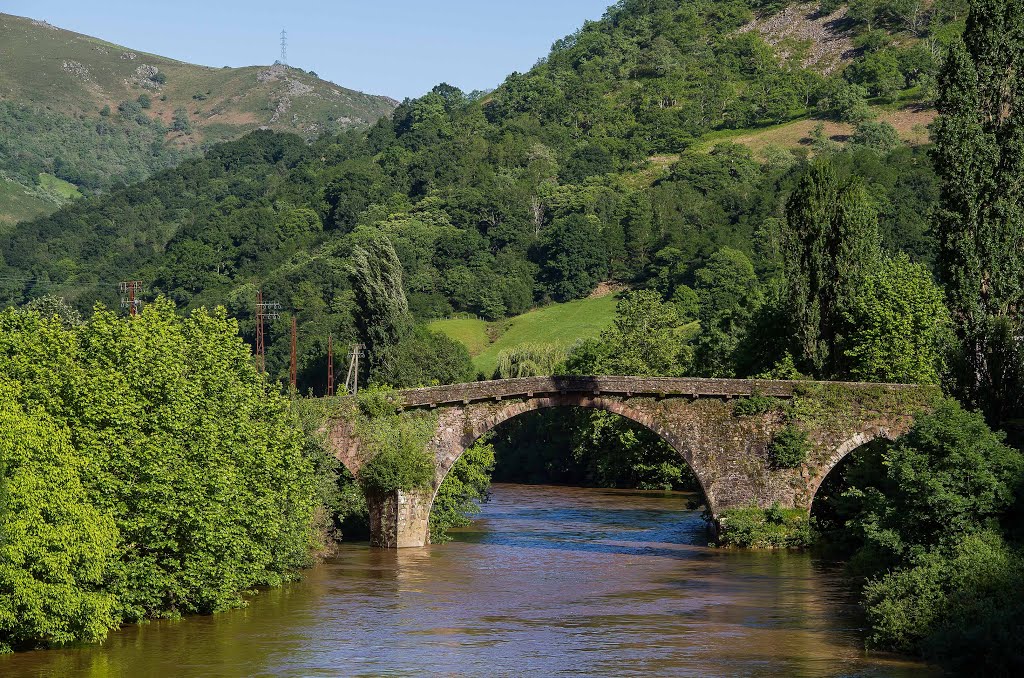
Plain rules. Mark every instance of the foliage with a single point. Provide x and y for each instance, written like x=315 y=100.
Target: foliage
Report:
x=529 y=360
x=789 y=448
x=57 y=546
x=51 y=306
x=645 y=339
x=394 y=442
x=198 y=463
x=958 y=604
x=949 y=476
x=466 y=484
x=383 y=317
x=830 y=245
x=428 y=358
x=755 y=405
x=977 y=140
x=729 y=295
x=923 y=519
x=900 y=327
x=753 y=527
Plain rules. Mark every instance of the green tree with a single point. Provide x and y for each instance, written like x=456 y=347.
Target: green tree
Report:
x=729 y=295
x=978 y=155
x=830 y=246
x=900 y=329
x=57 y=546
x=466 y=484
x=383 y=318
x=575 y=256
x=950 y=476
x=646 y=339
x=180 y=121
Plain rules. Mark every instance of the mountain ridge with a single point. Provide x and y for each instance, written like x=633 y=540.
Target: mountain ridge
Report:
x=97 y=114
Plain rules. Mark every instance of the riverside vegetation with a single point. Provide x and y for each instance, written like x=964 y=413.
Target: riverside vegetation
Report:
x=873 y=261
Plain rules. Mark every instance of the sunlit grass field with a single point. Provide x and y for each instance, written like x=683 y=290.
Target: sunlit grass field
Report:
x=561 y=324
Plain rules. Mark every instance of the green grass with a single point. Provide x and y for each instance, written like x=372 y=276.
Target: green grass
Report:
x=17 y=204
x=60 y=188
x=561 y=324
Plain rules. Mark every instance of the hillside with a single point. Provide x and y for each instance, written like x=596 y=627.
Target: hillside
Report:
x=98 y=115
x=638 y=148
x=556 y=324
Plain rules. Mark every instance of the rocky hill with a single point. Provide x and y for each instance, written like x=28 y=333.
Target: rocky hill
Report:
x=81 y=115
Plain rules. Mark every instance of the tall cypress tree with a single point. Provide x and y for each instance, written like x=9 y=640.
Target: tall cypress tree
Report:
x=830 y=245
x=979 y=156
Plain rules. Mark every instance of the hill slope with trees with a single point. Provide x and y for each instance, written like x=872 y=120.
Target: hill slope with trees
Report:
x=85 y=115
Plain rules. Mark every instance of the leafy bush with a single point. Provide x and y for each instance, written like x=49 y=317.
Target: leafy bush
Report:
x=57 y=547
x=775 y=527
x=755 y=405
x=789 y=448
x=178 y=441
x=466 y=484
x=395 y=442
x=957 y=603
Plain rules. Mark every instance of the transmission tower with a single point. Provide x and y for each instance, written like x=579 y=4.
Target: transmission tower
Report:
x=330 y=365
x=264 y=311
x=352 y=380
x=284 y=47
x=293 y=373
x=129 y=296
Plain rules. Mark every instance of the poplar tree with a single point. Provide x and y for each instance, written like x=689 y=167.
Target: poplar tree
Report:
x=830 y=245
x=979 y=157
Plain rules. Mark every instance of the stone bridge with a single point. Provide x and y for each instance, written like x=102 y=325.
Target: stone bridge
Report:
x=726 y=446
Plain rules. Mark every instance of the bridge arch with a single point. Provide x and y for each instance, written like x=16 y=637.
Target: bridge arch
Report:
x=841 y=452
x=449 y=453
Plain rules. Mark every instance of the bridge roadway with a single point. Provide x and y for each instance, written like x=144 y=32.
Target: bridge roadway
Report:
x=660 y=387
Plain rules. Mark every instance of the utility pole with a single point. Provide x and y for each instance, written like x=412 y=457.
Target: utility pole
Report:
x=330 y=365
x=284 y=47
x=264 y=311
x=294 y=372
x=352 y=380
x=129 y=296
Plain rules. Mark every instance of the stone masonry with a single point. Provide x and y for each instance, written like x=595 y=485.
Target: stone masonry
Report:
x=729 y=453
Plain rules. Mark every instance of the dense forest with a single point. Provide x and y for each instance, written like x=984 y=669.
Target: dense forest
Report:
x=585 y=168
x=868 y=260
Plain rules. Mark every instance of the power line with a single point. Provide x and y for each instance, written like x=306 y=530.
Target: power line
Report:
x=264 y=311
x=330 y=365
x=129 y=296
x=352 y=380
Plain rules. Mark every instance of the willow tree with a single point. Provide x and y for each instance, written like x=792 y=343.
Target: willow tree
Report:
x=830 y=245
x=979 y=156
x=383 y=319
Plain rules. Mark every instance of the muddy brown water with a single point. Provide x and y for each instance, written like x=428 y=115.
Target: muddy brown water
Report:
x=548 y=580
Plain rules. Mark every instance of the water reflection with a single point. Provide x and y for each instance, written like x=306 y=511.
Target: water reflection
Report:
x=548 y=581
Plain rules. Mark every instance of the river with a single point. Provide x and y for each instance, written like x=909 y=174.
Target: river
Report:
x=548 y=580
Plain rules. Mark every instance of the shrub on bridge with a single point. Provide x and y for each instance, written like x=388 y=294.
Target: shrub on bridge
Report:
x=755 y=405
x=771 y=528
x=789 y=448
x=394 y=442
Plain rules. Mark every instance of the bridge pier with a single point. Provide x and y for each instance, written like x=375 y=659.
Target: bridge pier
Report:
x=400 y=519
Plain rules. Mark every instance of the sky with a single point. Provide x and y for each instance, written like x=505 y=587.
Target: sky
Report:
x=400 y=48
